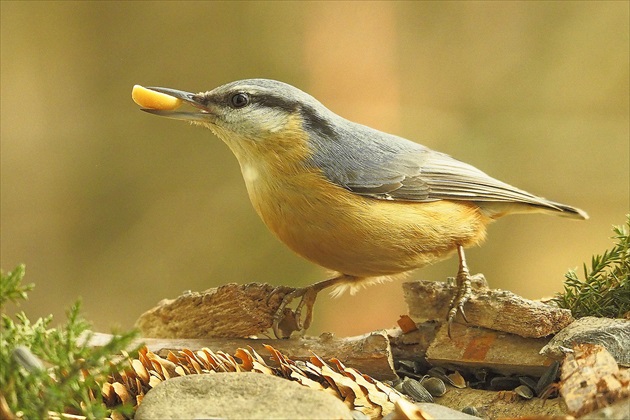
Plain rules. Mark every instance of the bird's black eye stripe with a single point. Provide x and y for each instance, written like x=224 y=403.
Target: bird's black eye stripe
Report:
x=239 y=100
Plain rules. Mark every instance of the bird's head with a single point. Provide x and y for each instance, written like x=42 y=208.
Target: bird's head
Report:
x=255 y=116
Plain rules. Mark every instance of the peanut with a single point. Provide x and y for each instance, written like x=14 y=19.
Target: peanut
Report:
x=148 y=98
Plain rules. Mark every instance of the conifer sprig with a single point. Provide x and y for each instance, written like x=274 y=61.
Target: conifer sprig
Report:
x=605 y=290
x=49 y=370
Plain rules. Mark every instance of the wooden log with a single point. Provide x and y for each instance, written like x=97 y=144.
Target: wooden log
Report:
x=231 y=310
x=495 y=309
x=369 y=353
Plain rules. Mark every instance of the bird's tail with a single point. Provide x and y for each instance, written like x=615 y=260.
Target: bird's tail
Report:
x=496 y=209
x=559 y=209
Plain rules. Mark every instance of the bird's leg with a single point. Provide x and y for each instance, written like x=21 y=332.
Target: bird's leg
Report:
x=308 y=295
x=464 y=290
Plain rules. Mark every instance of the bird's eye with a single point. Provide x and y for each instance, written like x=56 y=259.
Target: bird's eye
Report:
x=239 y=100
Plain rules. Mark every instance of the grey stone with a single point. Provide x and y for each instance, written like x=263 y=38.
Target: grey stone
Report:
x=612 y=334
x=245 y=395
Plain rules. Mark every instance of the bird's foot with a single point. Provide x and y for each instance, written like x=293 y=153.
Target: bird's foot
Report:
x=286 y=320
x=464 y=291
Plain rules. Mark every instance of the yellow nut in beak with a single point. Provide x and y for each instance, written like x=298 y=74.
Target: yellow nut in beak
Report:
x=151 y=99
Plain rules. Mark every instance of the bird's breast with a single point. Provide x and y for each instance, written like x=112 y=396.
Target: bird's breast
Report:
x=357 y=235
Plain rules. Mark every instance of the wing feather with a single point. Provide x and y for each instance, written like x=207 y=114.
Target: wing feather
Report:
x=379 y=165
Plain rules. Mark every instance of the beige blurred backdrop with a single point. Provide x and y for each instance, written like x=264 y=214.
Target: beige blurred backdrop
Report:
x=121 y=208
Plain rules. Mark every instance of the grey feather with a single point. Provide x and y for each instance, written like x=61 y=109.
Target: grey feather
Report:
x=383 y=166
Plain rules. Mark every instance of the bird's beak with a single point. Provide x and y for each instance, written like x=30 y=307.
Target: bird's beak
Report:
x=200 y=111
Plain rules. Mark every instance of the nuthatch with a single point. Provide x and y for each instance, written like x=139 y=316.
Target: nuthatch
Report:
x=347 y=197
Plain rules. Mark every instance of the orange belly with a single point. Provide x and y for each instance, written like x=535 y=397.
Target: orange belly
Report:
x=362 y=236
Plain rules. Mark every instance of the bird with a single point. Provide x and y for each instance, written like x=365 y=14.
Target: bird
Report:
x=363 y=203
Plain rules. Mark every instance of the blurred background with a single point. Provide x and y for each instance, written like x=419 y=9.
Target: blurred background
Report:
x=123 y=209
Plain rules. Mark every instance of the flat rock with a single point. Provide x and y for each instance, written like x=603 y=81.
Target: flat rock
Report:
x=244 y=395
x=612 y=334
x=481 y=348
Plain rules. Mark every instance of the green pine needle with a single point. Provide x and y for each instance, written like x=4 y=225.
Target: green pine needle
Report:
x=11 y=287
x=54 y=370
x=605 y=290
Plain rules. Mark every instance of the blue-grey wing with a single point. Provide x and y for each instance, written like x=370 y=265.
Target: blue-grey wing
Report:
x=372 y=163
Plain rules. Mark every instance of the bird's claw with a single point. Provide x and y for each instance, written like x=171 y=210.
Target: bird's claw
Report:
x=308 y=295
x=464 y=292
